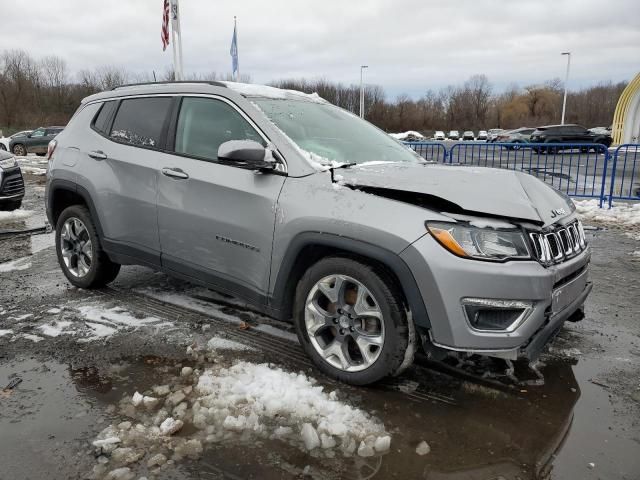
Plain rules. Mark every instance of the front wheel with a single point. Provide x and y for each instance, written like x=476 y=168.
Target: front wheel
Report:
x=351 y=321
x=79 y=251
x=2 y=147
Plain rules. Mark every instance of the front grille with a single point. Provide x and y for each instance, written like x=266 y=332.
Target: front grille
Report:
x=560 y=244
x=13 y=185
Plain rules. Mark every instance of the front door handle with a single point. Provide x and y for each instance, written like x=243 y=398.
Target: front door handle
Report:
x=98 y=155
x=175 y=173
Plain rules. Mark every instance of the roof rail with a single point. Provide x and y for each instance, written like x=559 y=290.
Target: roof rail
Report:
x=208 y=82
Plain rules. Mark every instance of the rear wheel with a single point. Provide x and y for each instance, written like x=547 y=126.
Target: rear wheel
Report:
x=351 y=321
x=79 y=251
x=19 y=150
x=41 y=154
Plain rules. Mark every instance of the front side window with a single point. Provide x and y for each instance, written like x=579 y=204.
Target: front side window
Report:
x=333 y=133
x=204 y=124
x=139 y=121
x=38 y=133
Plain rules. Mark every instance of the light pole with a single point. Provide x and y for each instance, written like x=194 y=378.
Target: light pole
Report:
x=566 y=81
x=362 y=67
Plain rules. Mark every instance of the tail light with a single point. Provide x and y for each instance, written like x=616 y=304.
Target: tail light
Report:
x=51 y=148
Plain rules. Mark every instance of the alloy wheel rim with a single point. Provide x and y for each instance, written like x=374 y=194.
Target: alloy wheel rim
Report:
x=344 y=323
x=19 y=150
x=76 y=247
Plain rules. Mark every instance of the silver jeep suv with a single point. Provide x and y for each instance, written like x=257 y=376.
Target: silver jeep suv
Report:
x=317 y=217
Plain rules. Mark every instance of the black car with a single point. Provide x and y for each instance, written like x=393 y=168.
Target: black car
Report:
x=35 y=142
x=567 y=134
x=11 y=182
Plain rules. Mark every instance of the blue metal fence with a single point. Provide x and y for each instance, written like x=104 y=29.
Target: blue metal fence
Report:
x=579 y=170
x=432 y=151
x=625 y=173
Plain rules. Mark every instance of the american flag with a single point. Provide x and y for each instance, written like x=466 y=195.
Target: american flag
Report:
x=164 y=34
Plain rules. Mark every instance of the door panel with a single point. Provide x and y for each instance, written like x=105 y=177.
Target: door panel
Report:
x=218 y=221
x=122 y=171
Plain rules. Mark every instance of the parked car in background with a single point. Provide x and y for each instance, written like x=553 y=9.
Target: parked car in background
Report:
x=439 y=135
x=4 y=141
x=11 y=182
x=557 y=135
x=454 y=135
x=601 y=130
x=410 y=136
x=493 y=134
x=468 y=135
x=482 y=135
x=34 y=142
x=452 y=259
x=519 y=136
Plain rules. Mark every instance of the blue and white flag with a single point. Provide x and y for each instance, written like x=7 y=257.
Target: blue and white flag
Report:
x=234 y=54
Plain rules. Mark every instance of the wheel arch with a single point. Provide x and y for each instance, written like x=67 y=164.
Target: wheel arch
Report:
x=63 y=194
x=309 y=247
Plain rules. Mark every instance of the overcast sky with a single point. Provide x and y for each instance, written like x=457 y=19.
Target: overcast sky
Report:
x=409 y=45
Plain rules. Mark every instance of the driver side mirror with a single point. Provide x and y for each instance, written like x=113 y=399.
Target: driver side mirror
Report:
x=247 y=154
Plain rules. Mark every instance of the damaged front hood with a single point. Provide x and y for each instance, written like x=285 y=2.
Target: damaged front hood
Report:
x=489 y=191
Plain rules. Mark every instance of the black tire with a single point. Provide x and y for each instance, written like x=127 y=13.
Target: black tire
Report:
x=41 y=154
x=102 y=270
x=10 y=206
x=382 y=286
x=2 y=147
x=19 y=149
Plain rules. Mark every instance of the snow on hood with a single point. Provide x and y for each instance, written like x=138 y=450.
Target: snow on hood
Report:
x=480 y=190
x=251 y=90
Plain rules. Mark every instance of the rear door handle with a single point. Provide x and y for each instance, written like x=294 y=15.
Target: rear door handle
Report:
x=98 y=155
x=175 y=173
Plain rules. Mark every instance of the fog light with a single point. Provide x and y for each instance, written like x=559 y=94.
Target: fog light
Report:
x=495 y=315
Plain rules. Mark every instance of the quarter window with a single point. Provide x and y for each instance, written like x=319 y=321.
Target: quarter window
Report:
x=204 y=124
x=101 y=123
x=139 y=121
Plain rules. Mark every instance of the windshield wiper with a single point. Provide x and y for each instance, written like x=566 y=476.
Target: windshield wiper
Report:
x=342 y=165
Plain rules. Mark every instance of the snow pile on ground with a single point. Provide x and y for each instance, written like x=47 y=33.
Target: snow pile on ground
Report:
x=213 y=403
x=20 y=264
x=87 y=323
x=620 y=213
x=272 y=403
x=34 y=170
x=15 y=215
x=219 y=343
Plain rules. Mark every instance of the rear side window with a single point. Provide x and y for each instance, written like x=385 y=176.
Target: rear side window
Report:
x=101 y=123
x=204 y=124
x=139 y=121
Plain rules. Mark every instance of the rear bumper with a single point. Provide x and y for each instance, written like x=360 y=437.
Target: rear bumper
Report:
x=554 y=294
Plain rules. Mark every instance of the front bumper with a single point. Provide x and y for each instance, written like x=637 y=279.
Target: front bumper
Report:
x=555 y=292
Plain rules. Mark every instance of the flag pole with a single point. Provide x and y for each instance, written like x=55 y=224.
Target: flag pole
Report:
x=176 y=35
x=235 y=28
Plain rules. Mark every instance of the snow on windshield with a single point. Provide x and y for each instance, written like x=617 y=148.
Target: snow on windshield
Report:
x=328 y=135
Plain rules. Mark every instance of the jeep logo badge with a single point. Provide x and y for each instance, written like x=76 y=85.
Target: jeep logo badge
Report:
x=556 y=212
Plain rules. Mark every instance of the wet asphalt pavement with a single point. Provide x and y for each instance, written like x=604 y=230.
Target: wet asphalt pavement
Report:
x=76 y=369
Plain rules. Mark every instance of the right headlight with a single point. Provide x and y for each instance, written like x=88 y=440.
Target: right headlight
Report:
x=480 y=243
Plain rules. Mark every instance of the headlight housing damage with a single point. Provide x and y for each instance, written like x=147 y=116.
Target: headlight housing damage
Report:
x=480 y=243
x=8 y=163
